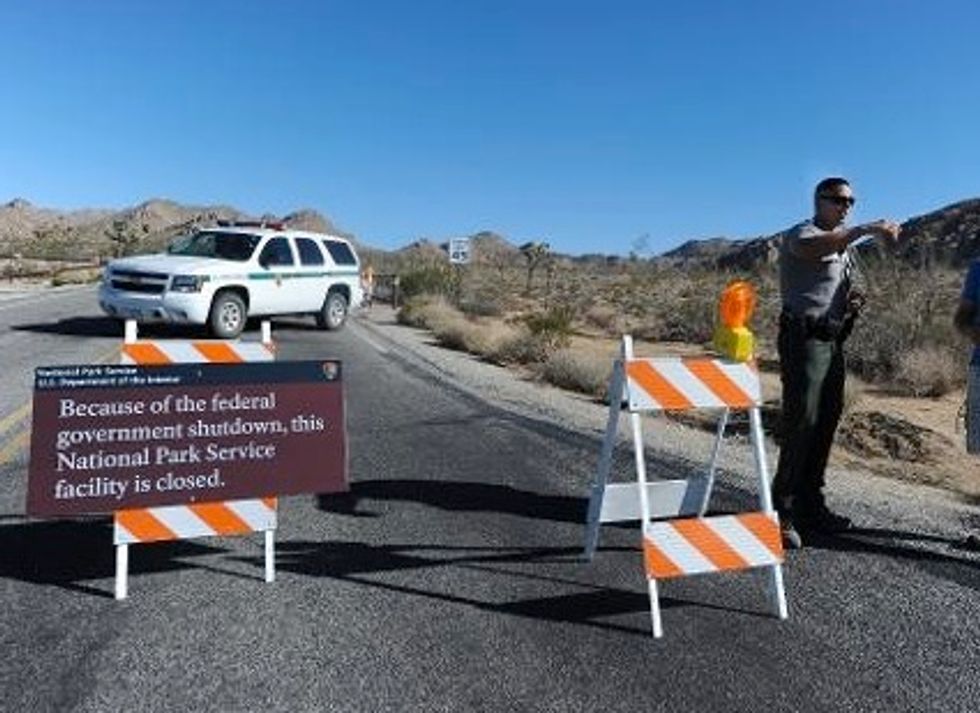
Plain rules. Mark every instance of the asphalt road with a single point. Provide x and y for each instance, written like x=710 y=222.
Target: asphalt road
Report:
x=448 y=579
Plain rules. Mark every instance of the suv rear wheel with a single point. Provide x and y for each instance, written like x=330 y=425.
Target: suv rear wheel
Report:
x=228 y=315
x=333 y=314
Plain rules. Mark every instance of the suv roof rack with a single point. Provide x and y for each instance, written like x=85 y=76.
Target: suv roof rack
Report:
x=270 y=224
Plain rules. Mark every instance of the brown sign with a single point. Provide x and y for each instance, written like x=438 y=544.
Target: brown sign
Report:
x=108 y=438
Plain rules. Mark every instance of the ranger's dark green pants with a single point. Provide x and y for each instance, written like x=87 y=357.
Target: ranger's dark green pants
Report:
x=812 y=372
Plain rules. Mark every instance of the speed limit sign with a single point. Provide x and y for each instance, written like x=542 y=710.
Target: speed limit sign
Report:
x=459 y=251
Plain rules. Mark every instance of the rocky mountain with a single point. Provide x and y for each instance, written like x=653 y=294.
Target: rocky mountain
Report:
x=950 y=235
x=33 y=232
x=722 y=253
x=700 y=250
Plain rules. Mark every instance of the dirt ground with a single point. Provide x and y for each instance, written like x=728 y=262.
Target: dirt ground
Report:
x=918 y=440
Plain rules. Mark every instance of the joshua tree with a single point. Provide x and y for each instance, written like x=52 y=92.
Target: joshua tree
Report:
x=124 y=240
x=639 y=247
x=535 y=254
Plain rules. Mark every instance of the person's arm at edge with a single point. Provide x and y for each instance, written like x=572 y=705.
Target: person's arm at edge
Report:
x=963 y=319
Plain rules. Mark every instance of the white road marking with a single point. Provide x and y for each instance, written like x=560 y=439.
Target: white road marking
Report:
x=13 y=419
x=13 y=447
x=18 y=423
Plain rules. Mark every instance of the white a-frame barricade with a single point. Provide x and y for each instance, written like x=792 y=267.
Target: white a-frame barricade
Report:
x=677 y=538
x=206 y=519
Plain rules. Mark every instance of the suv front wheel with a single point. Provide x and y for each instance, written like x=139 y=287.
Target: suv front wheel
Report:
x=333 y=314
x=228 y=315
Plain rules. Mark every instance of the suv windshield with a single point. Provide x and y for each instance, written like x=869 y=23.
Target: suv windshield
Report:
x=211 y=243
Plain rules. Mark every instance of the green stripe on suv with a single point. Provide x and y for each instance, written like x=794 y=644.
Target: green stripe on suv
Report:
x=289 y=275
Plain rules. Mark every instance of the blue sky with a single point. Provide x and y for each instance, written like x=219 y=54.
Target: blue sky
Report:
x=586 y=124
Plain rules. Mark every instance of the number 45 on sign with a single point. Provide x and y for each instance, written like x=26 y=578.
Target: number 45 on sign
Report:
x=459 y=251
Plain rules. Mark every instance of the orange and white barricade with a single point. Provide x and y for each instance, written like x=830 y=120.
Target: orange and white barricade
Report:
x=678 y=539
x=209 y=519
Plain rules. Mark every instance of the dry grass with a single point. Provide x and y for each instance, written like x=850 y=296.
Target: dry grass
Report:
x=76 y=276
x=577 y=371
x=427 y=312
x=904 y=341
x=606 y=319
x=455 y=330
x=58 y=272
x=929 y=371
x=474 y=337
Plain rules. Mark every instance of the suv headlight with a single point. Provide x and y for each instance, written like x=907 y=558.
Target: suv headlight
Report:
x=187 y=283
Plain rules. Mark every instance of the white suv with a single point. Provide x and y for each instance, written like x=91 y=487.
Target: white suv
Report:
x=221 y=276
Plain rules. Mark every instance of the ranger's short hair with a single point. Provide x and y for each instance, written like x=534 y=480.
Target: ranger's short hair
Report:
x=831 y=182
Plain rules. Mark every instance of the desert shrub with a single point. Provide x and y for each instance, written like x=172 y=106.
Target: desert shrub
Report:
x=452 y=328
x=553 y=327
x=522 y=347
x=457 y=334
x=11 y=269
x=76 y=276
x=931 y=370
x=906 y=327
x=473 y=337
x=687 y=318
x=670 y=304
x=606 y=319
x=587 y=374
x=427 y=312
x=647 y=328
x=482 y=303
x=429 y=280
x=410 y=314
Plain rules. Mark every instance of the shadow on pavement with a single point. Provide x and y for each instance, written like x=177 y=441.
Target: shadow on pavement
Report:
x=964 y=571
x=76 y=327
x=456 y=496
x=109 y=327
x=588 y=605
x=68 y=553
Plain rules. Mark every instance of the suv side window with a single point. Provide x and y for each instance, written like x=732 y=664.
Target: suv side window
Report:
x=309 y=253
x=340 y=252
x=276 y=252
